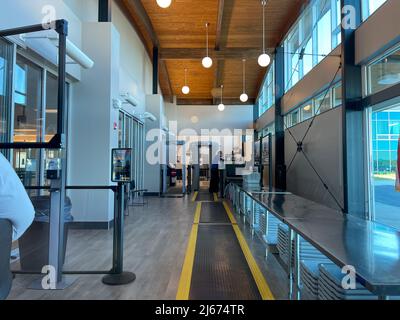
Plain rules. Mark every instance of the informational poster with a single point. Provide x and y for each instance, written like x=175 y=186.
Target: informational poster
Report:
x=121 y=165
x=257 y=153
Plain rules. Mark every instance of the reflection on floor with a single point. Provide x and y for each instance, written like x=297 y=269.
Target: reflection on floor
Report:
x=156 y=239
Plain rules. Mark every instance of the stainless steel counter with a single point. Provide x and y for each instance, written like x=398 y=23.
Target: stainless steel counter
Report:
x=371 y=248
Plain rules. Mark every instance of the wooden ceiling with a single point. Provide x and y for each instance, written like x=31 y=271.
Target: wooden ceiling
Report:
x=235 y=33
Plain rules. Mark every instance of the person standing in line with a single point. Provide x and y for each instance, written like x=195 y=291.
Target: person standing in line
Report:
x=214 y=182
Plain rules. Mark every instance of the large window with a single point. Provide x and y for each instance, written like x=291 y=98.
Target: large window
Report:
x=28 y=101
x=33 y=116
x=383 y=73
x=27 y=119
x=370 y=6
x=384 y=146
x=267 y=94
x=315 y=34
x=322 y=102
x=131 y=135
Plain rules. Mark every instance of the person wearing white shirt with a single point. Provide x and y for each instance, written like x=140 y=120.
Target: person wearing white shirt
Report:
x=15 y=204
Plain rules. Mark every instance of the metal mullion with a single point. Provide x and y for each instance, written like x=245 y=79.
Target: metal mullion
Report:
x=42 y=137
x=315 y=35
x=12 y=102
x=333 y=24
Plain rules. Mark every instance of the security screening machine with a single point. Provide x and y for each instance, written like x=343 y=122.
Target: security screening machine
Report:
x=121 y=174
x=176 y=162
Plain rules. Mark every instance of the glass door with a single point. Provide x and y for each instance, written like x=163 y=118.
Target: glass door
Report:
x=384 y=164
x=27 y=119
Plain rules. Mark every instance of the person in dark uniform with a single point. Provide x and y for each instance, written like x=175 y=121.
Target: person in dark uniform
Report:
x=214 y=182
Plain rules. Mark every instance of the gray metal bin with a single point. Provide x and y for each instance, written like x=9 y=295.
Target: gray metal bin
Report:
x=34 y=244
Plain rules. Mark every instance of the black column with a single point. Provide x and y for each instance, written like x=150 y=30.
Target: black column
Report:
x=352 y=116
x=105 y=10
x=155 y=70
x=280 y=166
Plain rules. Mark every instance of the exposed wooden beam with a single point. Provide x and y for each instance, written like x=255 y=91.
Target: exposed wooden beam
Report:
x=221 y=6
x=144 y=27
x=166 y=79
x=198 y=53
x=142 y=18
x=219 y=76
x=208 y=102
x=128 y=12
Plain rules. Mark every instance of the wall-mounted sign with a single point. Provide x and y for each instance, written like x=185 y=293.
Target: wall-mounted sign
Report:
x=121 y=165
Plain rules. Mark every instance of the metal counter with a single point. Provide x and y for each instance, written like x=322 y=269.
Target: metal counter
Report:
x=371 y=248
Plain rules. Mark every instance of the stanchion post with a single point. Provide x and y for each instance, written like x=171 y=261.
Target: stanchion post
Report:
x=118 y=276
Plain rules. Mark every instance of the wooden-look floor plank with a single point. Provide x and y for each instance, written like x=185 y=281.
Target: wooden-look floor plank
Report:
x=156 y=238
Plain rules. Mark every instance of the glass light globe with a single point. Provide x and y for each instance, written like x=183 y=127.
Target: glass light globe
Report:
x=264 y=60
x=244 y=97
x=185 y=90
x=164 y=3
x=207 y=62
x=221 y=107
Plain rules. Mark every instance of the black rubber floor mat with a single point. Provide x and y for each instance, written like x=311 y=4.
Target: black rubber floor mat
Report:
x=205 y=196
x=220 y=270
x=213 y=212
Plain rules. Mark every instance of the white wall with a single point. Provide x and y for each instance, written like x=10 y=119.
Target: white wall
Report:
x=19 y=13
x=92 y=135
x=152 y=182
x=208 y=117
x=85 y=10
x=379 y=32
x=135 y=65
x=121 y=66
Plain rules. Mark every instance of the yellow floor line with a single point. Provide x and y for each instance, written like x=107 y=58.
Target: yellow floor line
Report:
x=197 y=213
x=229 y=212
x=215 y=197
x=262 y=285
x=187 y=269
x=195 y=196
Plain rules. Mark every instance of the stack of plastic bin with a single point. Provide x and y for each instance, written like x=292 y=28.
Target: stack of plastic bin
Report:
x=330 y=286
x=283 y=243
x=271 y=236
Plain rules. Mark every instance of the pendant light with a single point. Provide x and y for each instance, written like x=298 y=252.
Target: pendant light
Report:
x=221 y=106
x=185 y=88
x=264 y=59
x=207 y=61
x=244 y=97
x=164 y=3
